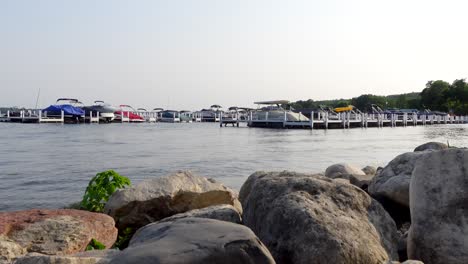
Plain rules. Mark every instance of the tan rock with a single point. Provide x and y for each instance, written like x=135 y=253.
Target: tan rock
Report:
x=57 y=232
x=342 y=168
x=370 y=170
x=9 y=250
x=155 y=199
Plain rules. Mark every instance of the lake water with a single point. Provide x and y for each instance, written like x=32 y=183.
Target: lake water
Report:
x=49 y=166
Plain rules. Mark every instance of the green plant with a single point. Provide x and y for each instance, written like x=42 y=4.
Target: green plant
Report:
x=100 y=188
x=95 y=245
x=124 y=237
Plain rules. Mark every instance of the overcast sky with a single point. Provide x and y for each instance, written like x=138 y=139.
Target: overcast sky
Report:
x=191 y=54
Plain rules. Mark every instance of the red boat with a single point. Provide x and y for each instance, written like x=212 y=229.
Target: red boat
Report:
x=128 y=114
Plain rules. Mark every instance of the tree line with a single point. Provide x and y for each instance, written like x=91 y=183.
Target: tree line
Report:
x=437 y=96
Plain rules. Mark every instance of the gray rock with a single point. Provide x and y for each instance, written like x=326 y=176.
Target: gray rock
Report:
x=194 y=240
x=392 y=182
x=155 y=199
x=342 y=168
x=439 y=212
x=88 y=257
x=224 y=212
x=370 y=170
x=305 y=218
x=431 y=146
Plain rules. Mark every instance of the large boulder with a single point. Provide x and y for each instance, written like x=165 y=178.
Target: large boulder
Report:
x=54 y=232
x=194 y=240
x=431 y=146
x=439 y=209
x=305 y=218
x=155 y=199
x=223 y=212
x=392 y=182
x=88 y=257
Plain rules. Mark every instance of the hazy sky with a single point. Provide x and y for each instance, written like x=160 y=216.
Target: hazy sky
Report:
x=191 y=54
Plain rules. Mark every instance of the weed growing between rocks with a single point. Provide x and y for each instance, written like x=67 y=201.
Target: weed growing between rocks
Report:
x=100 y=188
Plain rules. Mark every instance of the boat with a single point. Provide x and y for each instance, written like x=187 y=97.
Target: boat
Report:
x=274 y=115
x=211 y=115
x=126 y=113
x=344 y=109
x=231 y=115
x=71 y=109
x=148 y=116
x=106 y=111
x=186 y=116
x=157 y=113
x=169 y=116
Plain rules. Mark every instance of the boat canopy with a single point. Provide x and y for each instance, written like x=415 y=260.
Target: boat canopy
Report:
x=67 y=110
x=246 y=108
x=277 y=102
x=216 y=106
x=158 y=109
x=344 y=109
x=71 y=100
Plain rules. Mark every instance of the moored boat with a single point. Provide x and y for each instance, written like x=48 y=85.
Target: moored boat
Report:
x=186 y=116
x=212 y=114
x=127 y=113
x=170 y=116
x=106 y=111
x=71 y=109
x=274 y=115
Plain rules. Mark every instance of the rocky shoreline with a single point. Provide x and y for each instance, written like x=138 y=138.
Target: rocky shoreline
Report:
x=413 y=208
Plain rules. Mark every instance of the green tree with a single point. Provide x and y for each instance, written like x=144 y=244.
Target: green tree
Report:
x=401 y=101
x=365 y=102
x=435 y=94
x=457 y=97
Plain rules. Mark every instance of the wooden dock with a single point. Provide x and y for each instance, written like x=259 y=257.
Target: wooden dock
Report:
x=37 y=116
x=318 y=120
x=324 y=120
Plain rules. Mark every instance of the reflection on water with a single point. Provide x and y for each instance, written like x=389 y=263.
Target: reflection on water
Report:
x=49 y=166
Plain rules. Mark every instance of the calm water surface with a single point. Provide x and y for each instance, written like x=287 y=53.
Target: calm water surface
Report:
x=49 y=166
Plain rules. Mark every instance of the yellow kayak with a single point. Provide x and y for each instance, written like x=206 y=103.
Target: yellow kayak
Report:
x=344 y=109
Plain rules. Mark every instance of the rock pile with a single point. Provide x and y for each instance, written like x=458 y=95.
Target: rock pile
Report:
x=415 y=207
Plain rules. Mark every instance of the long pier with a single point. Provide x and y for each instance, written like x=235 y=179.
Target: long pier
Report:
x=317 y=120
x=37 y=116
x=324 y=120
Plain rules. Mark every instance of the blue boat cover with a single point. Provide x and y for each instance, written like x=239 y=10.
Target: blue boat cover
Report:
x=67 y=110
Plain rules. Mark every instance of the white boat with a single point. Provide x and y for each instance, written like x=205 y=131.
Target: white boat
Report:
x=274 y=115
